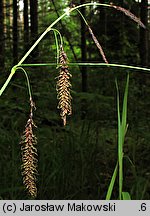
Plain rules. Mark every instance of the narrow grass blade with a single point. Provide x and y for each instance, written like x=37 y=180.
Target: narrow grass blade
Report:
x=118 y=112
x=120 y=151
x=112 y=182
x=122 y=127
x=123 y=132
x=124 y=111
x=57 y=47
x=126 y=196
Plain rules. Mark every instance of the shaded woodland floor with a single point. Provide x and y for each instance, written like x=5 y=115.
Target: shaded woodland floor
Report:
x=76 y=161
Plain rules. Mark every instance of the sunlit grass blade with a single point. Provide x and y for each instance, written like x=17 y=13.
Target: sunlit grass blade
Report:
x=120 y=151
x=119 y=118
x=123 y=132
x=124 y=110
x=126 y=196
x=122 y=127
x=112 y=182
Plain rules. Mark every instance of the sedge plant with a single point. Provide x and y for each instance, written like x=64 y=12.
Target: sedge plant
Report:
x=28 y=140
x=122 y=129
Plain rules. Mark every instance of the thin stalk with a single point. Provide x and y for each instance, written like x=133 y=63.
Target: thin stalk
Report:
x=112 y=182
x=122 y=128
x=57 y=44
x=55 y=30
x=119 y=143
x=57 y=48
x=146 y=70
x=54 y=23
x=13 y=70
x=40 y=38
x=8 y=80
x=27 y=78
x=82 y=17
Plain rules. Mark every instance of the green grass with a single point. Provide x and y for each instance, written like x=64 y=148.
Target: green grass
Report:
x=122 y=129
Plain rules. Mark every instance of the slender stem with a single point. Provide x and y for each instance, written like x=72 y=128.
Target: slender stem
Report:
x=57 y=49
x=27 y=78
x=55 y=30
x=34 y=45
x=82 y=17
x=90 y=4
x=57 y=44
x=7 y=81
x=147 y=70
x=40 y=38
x=54 y=23
x=10 y=76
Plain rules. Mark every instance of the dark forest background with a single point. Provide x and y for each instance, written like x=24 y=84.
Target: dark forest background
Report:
x=76 y=161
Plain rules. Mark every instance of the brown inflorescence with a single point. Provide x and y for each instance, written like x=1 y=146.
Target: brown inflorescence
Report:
x=98 y=45
x=129 y=14
x=63 y=87
x=29 y=156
